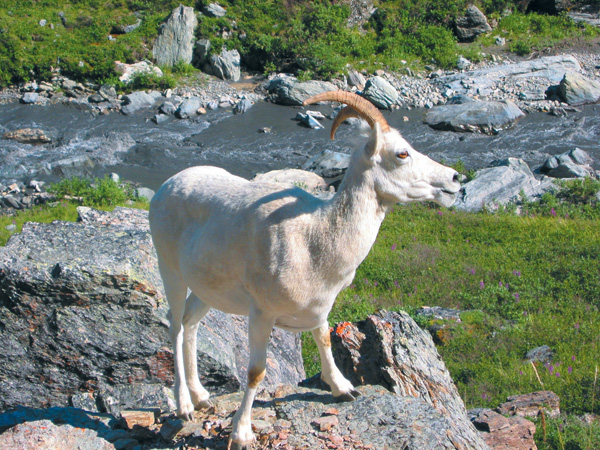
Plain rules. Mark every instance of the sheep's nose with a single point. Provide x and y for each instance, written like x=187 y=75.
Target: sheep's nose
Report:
x=456 y=177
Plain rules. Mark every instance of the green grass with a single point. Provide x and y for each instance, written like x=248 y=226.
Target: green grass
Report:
x=522 y=282
x=100 y=193
x=528 y=32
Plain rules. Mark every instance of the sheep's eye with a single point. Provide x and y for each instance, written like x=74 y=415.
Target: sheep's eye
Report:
x=402 y=155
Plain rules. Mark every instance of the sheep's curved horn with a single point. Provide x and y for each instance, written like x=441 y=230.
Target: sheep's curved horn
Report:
x=364 y=108
x=344 y=114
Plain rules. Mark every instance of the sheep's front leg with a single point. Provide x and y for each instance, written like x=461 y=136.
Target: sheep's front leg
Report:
x=341 y=388
x=195 y=310
x=259 y=330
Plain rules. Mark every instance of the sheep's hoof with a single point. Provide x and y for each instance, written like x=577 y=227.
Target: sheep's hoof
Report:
x=187 y=417
x=204 y=404
x=348 y=396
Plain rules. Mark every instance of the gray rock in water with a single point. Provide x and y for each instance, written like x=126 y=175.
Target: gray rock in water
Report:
x=575 y=89
x=501 y=185
x=214 y=10
x=242 y=106
x=309 y=121
x=78 y=313
x=135 y=101
x=167 y=108
x=175 y=41
x=483 y=117
x=575 y=163
x=389 y=349
x=380 y=92
x=289 y=91
x=189 y=108
x=328 y=164
x=28 y=136
x=471 y=25
x=30 y=97
x=226 y=65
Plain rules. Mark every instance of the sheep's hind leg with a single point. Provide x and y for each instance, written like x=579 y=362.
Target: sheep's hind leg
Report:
x=341 y=388
x=195 y=310
x=176 y=290
x=259 y=330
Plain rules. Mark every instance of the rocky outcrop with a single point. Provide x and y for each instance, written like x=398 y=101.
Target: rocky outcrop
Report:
x=480 y=117
x=575 y=163
x=380 y=92
x=284 y=416
x=575 y=89
x=471 y=25
x=499 y=185
x=483 y=81
x=138 y=100
x=530 y=405
x=175 y=41
x=389 y=349
x=226 y=65
x=504 y=433
x=360 y=11
x=82 y=310
x=286 y=90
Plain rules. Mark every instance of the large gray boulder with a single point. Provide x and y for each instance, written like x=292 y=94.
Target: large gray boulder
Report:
x=328 y=164
x=575 y=163
x=82 y=310
x=380 y=92
x=226 y=65
x=189 y=108
x=175 y=41
x=136 y=101
x=501 y=184
x=552 y=68
x=287 y=90
x=575 y=89
x=390 y=350
x=481 y=117
x=471 y=25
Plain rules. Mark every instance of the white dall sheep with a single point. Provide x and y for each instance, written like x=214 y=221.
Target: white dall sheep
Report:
x=278 y=255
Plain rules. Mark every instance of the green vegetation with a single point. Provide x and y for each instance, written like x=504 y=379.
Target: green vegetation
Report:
x=100 y=193
x=528 y=32
x=311 y=38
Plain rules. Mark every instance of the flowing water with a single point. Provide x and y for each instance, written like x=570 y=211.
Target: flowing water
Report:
x=84 y=143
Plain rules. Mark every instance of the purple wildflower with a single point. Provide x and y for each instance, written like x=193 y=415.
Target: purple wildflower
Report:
x=481 y=284
x=517 y=296
x=553 y=212
x=393 y=246
x=570 y=370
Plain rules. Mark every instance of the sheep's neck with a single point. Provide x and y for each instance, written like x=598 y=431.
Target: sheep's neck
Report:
x=354 y=216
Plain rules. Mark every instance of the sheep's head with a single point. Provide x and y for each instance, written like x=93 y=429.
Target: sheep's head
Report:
x=400 y=173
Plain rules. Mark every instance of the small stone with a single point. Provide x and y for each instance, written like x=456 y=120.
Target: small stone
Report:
x=143 y=418
x=170 y=428
x=325 y=423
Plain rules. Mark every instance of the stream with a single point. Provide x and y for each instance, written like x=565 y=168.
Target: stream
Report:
x=84 y=143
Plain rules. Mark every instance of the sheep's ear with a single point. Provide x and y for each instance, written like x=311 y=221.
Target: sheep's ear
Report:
x=376 y=142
